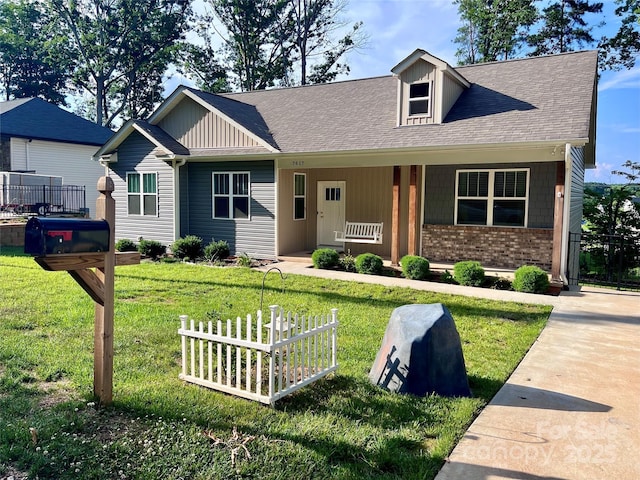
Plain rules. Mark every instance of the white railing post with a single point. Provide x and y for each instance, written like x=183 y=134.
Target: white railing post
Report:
x=193 y=349
x=210 y=352
x=272 y=341
x=334 y=332
x=259 y=355
x=183 y=324
x=201 y=350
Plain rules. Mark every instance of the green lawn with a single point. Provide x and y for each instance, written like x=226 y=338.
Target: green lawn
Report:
x=158 y=427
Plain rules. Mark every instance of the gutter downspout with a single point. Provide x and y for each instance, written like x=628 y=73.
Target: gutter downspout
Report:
x=176 y=164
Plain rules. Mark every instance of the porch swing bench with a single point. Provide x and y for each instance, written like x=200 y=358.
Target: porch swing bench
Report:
x=360 y=232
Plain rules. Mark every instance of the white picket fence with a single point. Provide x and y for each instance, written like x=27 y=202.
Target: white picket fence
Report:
x=262 y=362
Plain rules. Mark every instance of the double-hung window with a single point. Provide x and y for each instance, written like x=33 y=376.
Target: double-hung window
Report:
x=299 y=196
x=420 y=99
x=231 y=195
x=142 y=194
x=492 y=197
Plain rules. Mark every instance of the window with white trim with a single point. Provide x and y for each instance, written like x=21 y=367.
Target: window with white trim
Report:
x=231 y=195
x=492 y=197
x=299 y=196
x=420 y=99
x=142 y=194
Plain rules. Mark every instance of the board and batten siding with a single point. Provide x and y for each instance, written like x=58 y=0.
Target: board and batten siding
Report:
x=420 y=71
x=256 y=237
x=134 y=155
x=575 y=210
x=194 y=126
x=70 y=161
x=368 y=199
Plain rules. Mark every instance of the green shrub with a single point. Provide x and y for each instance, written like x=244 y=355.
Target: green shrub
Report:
x=244 y=260
x=530 y=279
x=188 y=247
x=325 y=258
x=348 y=263
x=415 y=267
x=126 y=245
x=369 y=263
x=151 y=248
x=216 y=250
x=469 y=273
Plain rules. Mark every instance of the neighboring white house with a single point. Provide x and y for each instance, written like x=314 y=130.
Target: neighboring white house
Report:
x=39 y=137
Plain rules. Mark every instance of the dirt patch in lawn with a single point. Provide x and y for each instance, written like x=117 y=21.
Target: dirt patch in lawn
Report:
x=56 y=393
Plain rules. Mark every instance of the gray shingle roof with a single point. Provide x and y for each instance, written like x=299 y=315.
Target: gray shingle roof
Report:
x=38 y=119
x=527 y=100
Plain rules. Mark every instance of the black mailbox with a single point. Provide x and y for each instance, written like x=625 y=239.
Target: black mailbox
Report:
x=50 y=236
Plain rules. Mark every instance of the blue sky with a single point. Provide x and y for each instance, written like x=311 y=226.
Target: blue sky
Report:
x=397 y=27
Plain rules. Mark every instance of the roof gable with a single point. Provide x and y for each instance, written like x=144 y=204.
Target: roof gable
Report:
x=239 y=115
x=37 y=119
x=422 y=55
x=166 y=145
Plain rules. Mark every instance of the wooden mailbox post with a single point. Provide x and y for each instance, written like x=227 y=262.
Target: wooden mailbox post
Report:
x=99 y=284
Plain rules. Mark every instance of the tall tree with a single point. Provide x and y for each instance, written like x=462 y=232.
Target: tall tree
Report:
x=121 y=50
x=32 y=57
x=257 y=41
x=623 y=49
x=492 y=29
x=564 y=27
x=612 y=211
x=317 y=53
x=199 y=64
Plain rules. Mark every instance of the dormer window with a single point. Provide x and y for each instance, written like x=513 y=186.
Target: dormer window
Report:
x=420 y=99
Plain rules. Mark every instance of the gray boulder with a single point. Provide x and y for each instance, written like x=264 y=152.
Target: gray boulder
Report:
x=421 y=353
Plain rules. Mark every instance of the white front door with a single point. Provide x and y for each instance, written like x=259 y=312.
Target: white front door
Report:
x=331 y=200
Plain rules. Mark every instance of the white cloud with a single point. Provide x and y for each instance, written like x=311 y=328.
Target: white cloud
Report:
x=602 y=173
x=619 y=80
x=396 y=28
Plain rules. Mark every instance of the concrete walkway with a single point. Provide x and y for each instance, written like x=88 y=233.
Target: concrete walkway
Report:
x=571 y=409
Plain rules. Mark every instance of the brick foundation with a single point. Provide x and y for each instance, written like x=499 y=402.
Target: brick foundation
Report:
x=491 y=246
x=12 y=234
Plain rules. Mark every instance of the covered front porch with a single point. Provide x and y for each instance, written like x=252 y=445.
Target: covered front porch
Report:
x=316 y=203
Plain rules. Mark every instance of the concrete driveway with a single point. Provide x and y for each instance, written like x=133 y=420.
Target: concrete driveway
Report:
x=571 y=410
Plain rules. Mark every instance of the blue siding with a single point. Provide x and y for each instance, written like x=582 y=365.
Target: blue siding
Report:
x=256 y=236
x=134 y=155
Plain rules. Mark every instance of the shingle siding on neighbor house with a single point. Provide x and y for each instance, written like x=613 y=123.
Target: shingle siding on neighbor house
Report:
x=255 y=237
x=134 y=155
x=440 y=192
